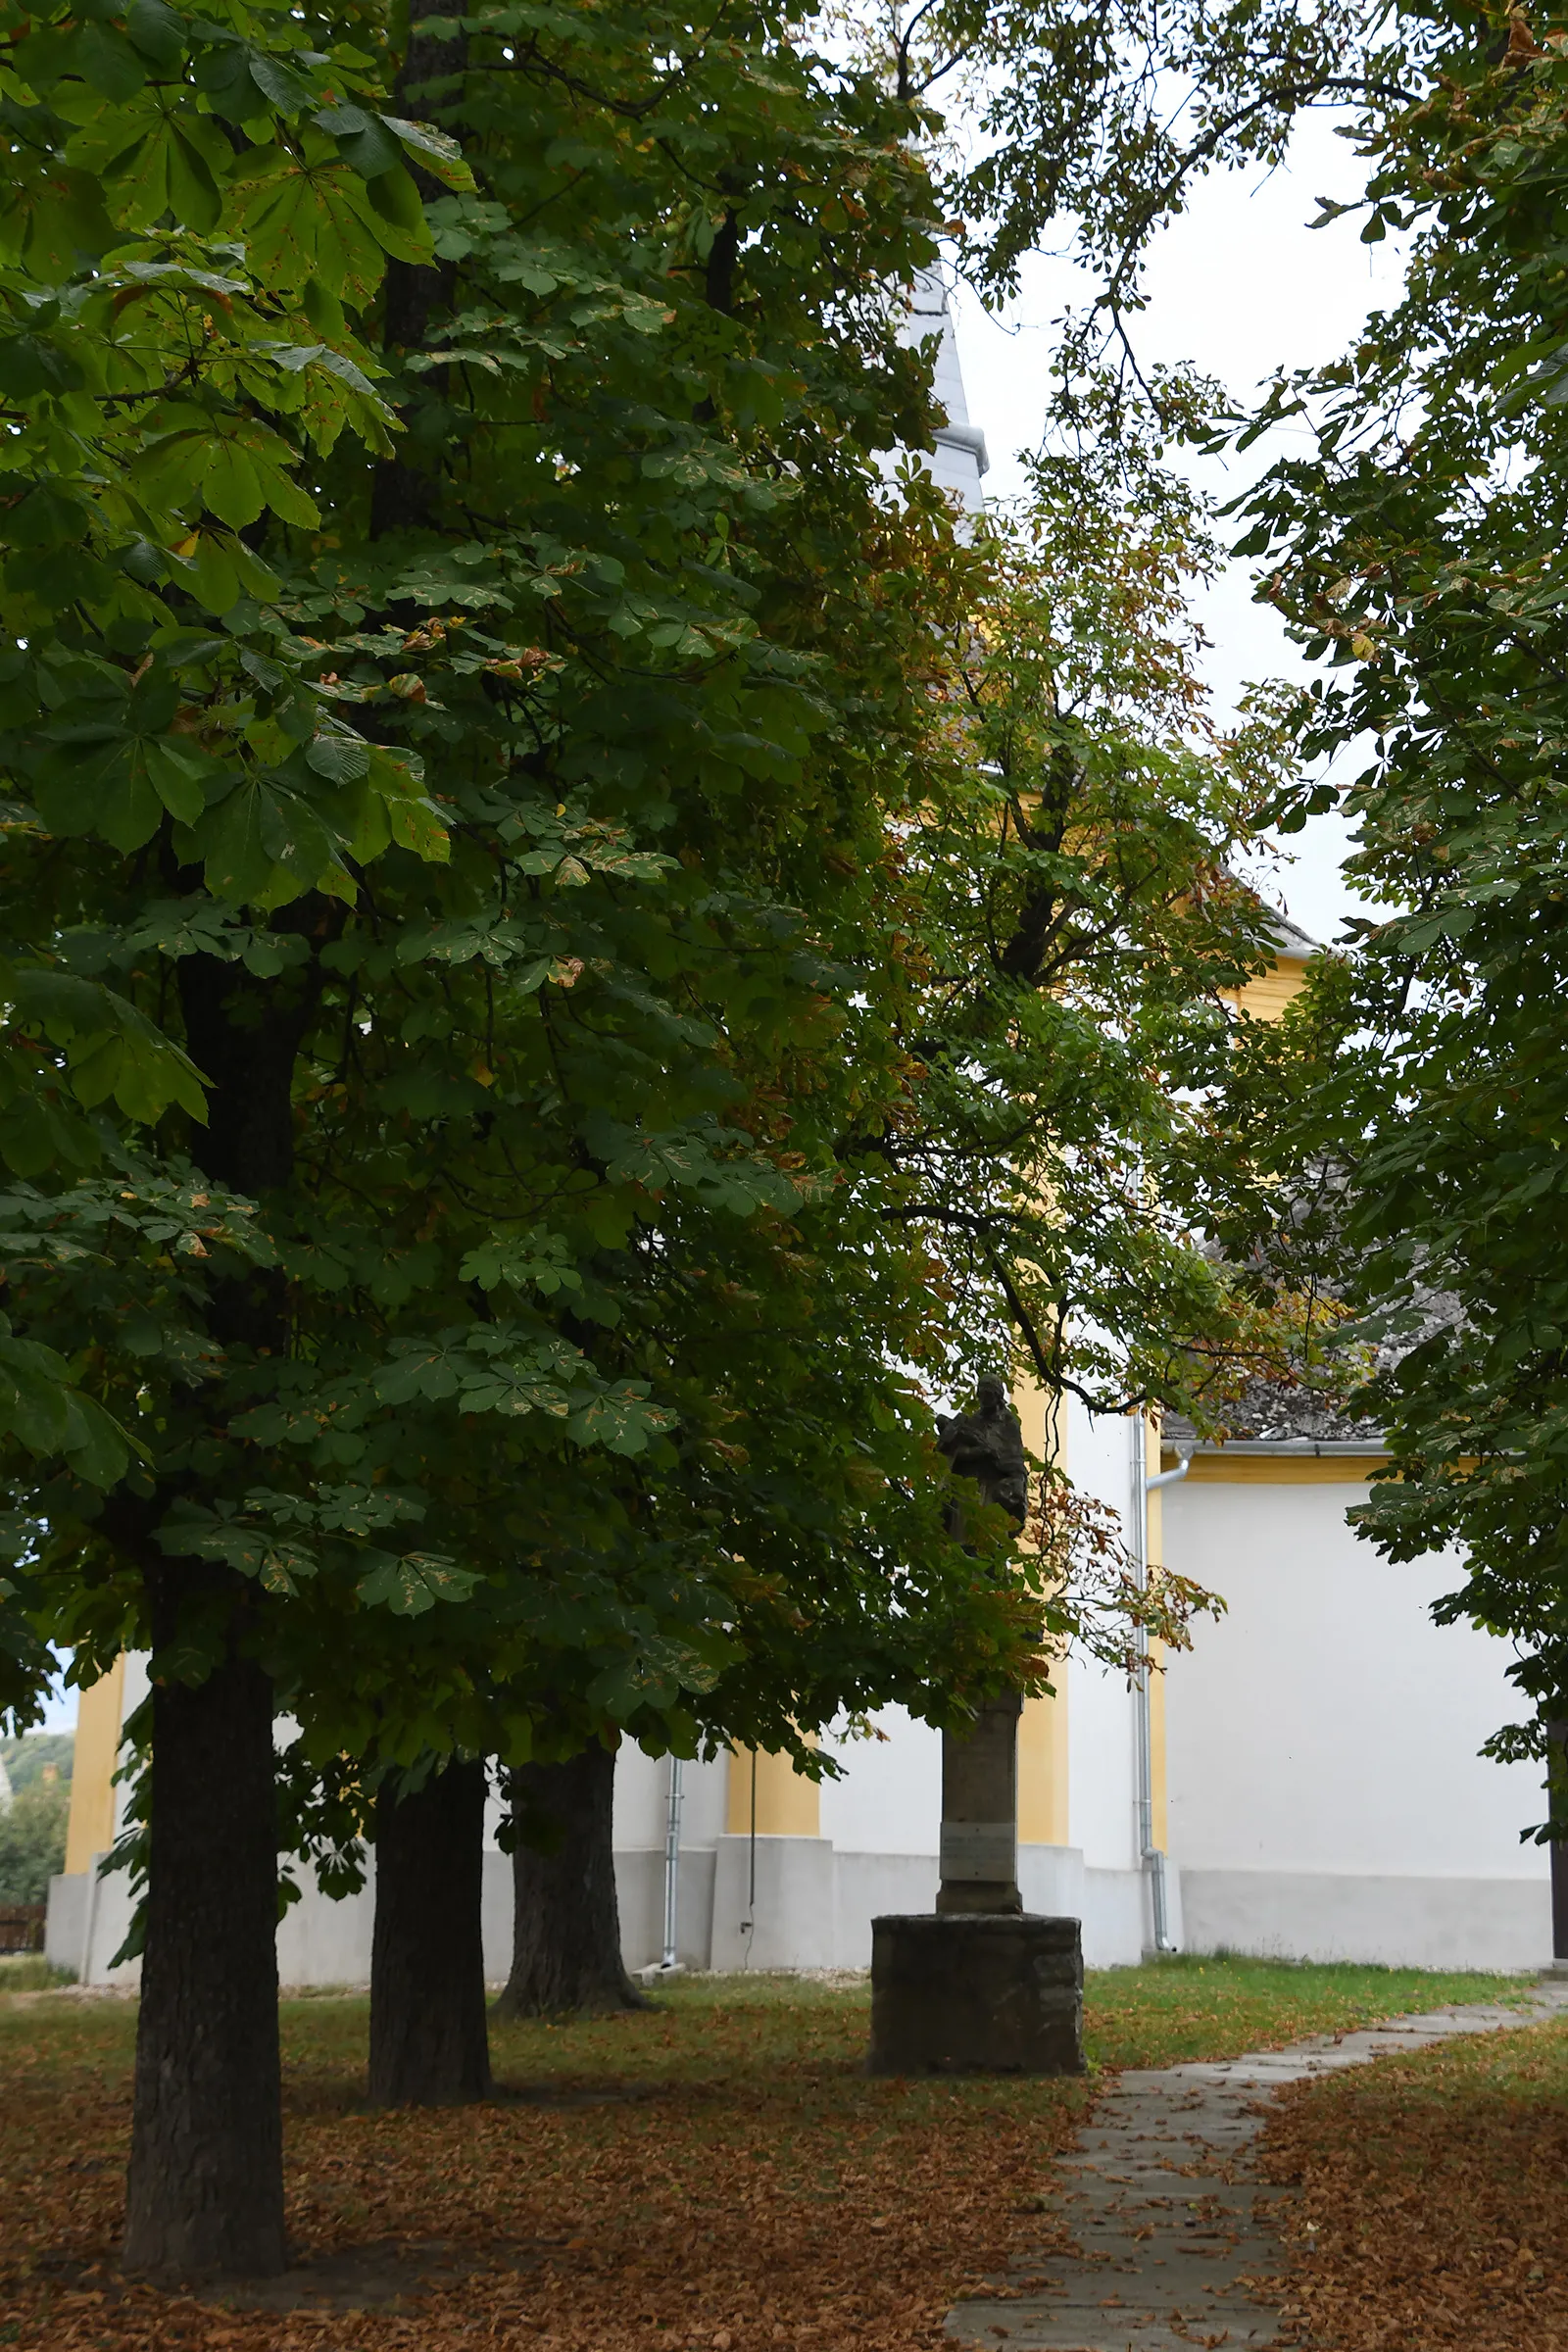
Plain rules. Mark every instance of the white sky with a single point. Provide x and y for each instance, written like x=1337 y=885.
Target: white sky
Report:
x=60 y=1715
x=1239 y=287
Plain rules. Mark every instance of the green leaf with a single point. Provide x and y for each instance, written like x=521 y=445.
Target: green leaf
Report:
x=361 y=139
x=96 y=1446
x=31 y=364
x=417 y=824
x=98 y=782
x=157 y=30
x=279 y=83
x=232 y=839
x=308 y=218
x=418 y=1371
x=228 y=484
x=620 y=1419
x=434 y=152
x=107 y=61
x=340 y=759
x=398 y=216
x=416 y=1581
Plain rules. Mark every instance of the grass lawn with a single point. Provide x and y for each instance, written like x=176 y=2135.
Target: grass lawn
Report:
x=718 y=2175
x=1186 y=2007
x=1433 y=2211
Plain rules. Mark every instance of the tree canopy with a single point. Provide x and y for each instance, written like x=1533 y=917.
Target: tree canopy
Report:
x=1415 y=545
x=575 y=951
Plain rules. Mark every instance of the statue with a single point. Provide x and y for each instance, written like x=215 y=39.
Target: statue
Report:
x=987 y=1445
x=979 y=1985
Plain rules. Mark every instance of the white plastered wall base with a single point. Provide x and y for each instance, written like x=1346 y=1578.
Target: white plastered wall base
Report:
x=774 y=1900
x=1453 y=1922
x=640 y=1895
x=319 y=1942
x=814 y=1909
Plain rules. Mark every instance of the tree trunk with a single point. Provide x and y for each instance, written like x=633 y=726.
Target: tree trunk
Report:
x=403 y=497
x=205 y=2194
x=565 y=1953
x=428 y=2042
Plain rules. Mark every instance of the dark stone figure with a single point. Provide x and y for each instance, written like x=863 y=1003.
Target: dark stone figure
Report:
x=987 y=1445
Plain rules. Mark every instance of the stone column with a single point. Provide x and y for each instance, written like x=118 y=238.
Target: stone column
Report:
x=980 y=1813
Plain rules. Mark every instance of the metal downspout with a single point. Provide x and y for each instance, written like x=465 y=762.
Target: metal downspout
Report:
x=671 y=1962
x=1152 y=1857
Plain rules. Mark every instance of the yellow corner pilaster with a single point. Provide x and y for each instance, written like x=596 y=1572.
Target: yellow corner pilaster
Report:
x=90 y=1822
x=788 y=1805
x=1043 y=1767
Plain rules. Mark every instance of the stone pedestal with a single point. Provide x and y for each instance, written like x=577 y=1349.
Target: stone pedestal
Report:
x=980 y=1993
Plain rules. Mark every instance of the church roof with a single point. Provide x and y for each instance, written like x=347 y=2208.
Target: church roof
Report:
x=1268 y=1417
x=1289 y=938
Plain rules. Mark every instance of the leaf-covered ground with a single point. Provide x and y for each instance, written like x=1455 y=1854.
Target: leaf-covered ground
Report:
x=1433 y=2211
x=715 y=2176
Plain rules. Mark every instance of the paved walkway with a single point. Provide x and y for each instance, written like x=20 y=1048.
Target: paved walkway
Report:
x=1166 y=2208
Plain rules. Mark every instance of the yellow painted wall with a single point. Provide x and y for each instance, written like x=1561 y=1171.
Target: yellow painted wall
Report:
x=788 y=1805
x=1266 y=997
x=1043 y=1784
x=90 y=1824
x=1282 y=1469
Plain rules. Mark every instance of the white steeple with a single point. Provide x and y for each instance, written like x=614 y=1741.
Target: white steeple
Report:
x=959 y=459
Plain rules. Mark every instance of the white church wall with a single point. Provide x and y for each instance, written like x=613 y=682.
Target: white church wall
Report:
x=1326 y=1797
x=1101 y=1711
x=640 y=1898
x=890 y=1799
x=642 y=1799
x=774 y=1903
x=640 y=1827
x=1116 y=1926
x=87 y=1920
x=320 y=1942
x=871 y=1886
x=1103 y=1767
x=704 y=1798
x=1370 y=1916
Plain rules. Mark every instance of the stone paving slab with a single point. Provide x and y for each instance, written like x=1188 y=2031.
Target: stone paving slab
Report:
x=1167 y=2215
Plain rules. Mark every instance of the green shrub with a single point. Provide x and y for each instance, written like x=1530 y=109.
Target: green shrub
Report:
x=32 y=1841
x=31 y=1971
x=29 y=1757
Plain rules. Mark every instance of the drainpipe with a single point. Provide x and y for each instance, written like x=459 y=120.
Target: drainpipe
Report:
x=1152 y=1857
x=670 y=1963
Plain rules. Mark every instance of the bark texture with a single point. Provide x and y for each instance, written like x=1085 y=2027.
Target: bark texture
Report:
x=566 y=1952
x=404 y=494
x=205 y=2194
x=429 y=2046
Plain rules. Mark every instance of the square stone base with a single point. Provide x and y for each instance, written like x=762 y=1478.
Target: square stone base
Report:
x=976 y=1995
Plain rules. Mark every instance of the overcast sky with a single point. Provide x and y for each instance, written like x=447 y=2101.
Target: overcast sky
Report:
x=1240 y=286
